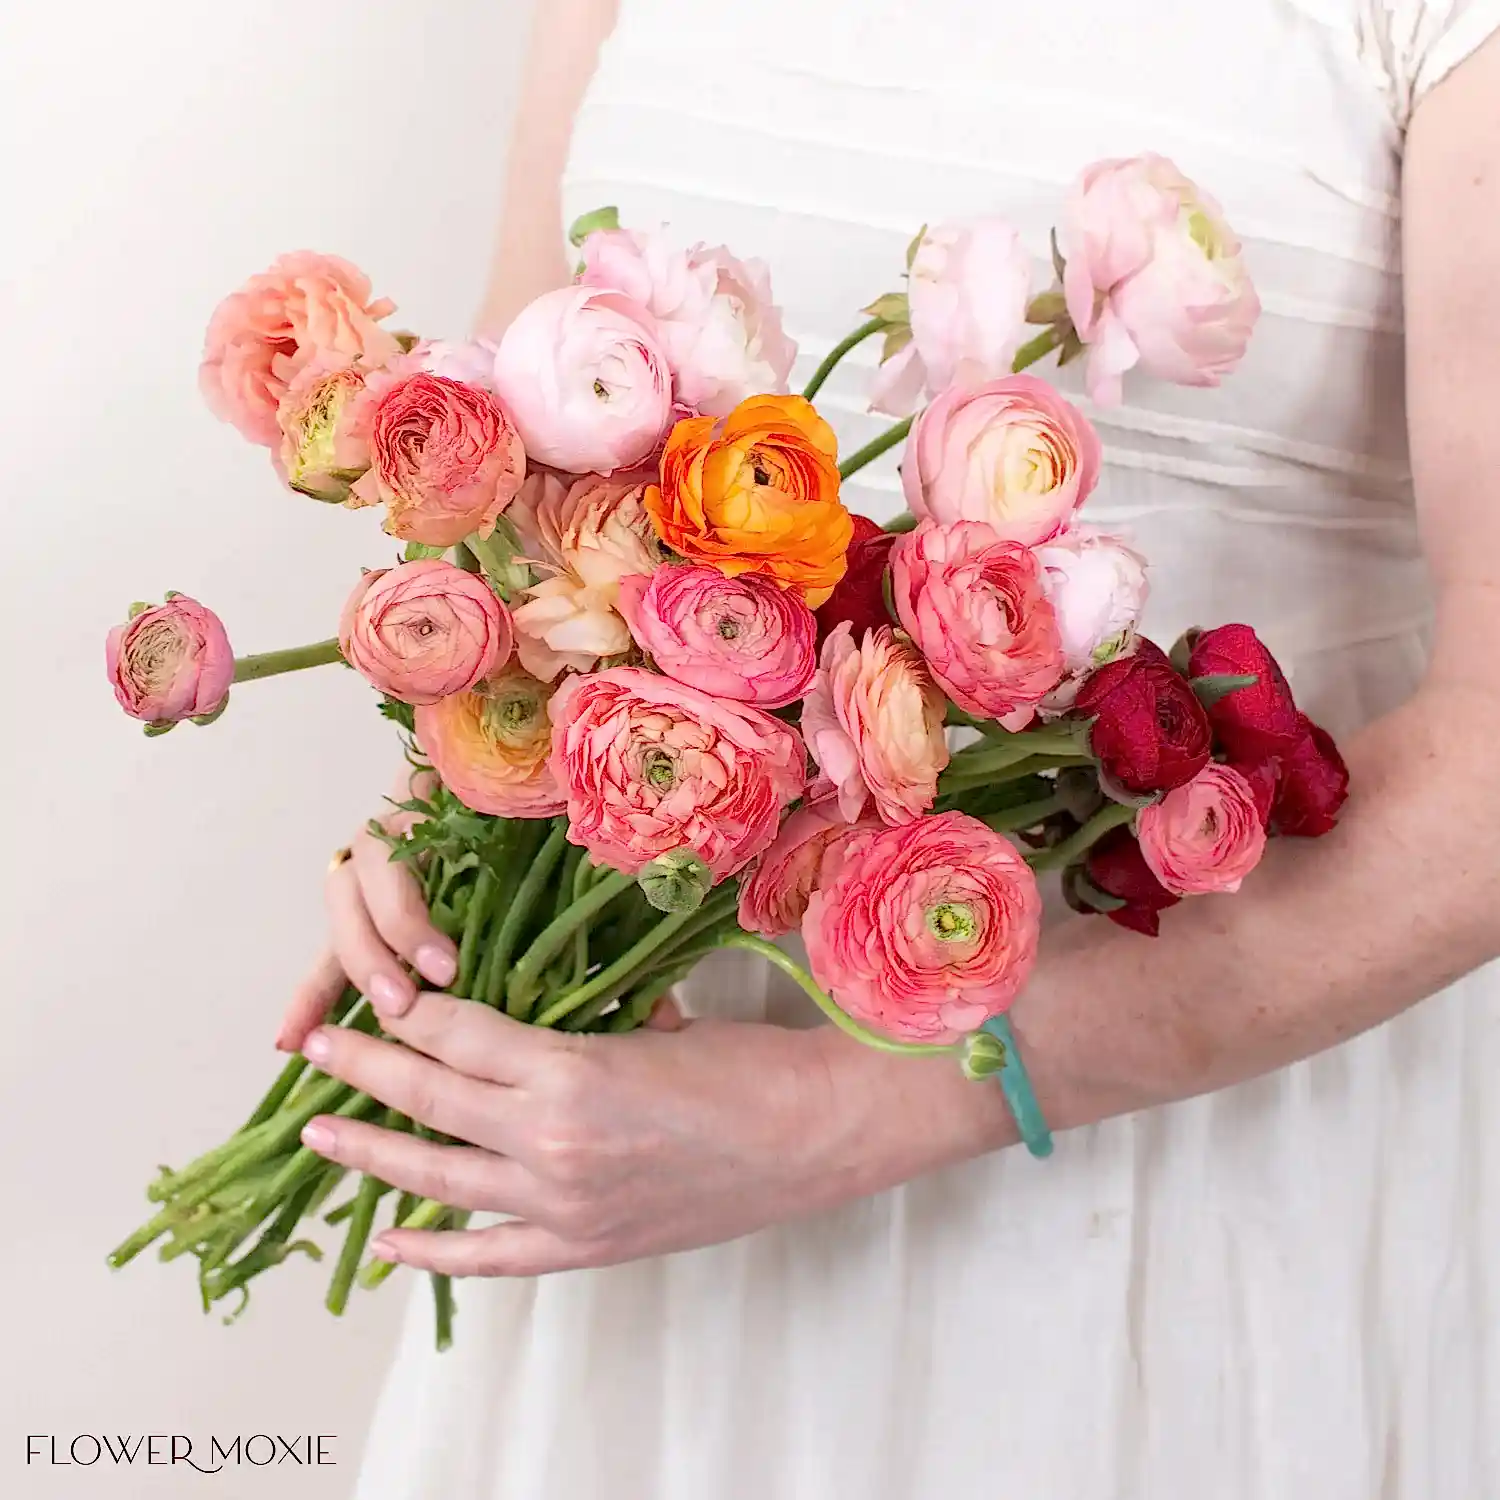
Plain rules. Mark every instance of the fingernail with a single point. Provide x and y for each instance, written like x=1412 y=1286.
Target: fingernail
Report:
x=389 y=996
x=383 y=1248
x=317 y=1136
x=317 y=1048
x=437 y=964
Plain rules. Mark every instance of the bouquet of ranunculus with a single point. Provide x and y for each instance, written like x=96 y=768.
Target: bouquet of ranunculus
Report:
x=663 y=694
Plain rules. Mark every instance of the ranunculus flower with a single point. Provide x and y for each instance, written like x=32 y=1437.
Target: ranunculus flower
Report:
x=1154 y=277
x=924 y=931
x=583 y=375
x=775 y=892
x=1118 y=868
x=1013 y=452
x=445 y=459
x=715 y=319
x=424 y=630
x=967 y=289
x=652 y=766
x=323 y=451
x=1205 y=836
x=471 y=360
x=582 y=538
x=170 y=662
x=1313 y=785
x=1150 y=732
x=491 y=746
x=974 y=605
x=873 y=721
x=756 y=492
x=1251 y=722
x=263 y=335
x=859 y=596
x=742 y=638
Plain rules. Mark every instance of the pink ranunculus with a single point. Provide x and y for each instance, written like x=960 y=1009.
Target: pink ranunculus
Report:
x=743 y=638
x=263 y=335
x=583 y=539
x=1013 y=452
x=1154 y=277
x=924 y=931
x=323 y=449
x=775 y=892
x=651 y=766
x=715 y=319
x=584 y=375
x=1205 y=836
x=424 y=630
x=170 y=662
x=445 y=457
x=470 y=360
x=975 y=606
x=967 y=291
x=873 y=721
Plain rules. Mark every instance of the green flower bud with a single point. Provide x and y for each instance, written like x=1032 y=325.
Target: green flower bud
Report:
x=983 y=1056
x=677 y=881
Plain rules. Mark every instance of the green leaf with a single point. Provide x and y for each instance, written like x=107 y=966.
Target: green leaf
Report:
x=417 y=551
x=159 y=727
x=893 y=307
x=897 y=337
x=1058 y=263
x=1047 y=307
x=1219 y=685
x=916 y=244
x=399 y=713
x=586 y=224
x=209 y=718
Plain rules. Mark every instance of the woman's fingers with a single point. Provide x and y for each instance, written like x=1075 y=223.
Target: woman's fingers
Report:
x=394 y=901
x=311 y=1001
x=475 y=1039
x=362 y=953
x=502 y=1250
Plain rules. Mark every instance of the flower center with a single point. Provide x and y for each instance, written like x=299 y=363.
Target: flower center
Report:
x=658 y=769
x=601 y=390
x=729 y=628
x=951 y=922
x=1200 y=230
x=507 y=718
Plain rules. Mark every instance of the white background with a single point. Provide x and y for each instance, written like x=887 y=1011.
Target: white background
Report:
x=161 y=896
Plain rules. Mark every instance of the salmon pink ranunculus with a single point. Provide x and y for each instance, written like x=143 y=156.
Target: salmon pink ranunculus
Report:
x=1205 y=836
x=323 y=451
x=170 y=662
x=774 y=893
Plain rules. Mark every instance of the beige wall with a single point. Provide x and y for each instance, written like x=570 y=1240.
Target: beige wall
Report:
x=160 y=896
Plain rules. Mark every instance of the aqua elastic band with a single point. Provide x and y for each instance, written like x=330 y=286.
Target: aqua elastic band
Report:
x=1019 y=1094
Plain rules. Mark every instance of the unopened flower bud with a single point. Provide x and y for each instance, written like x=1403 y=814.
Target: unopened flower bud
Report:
x=983 y=1055
x=677 y=881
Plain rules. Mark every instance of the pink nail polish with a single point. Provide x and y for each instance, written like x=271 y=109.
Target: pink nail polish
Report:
x=317 y=1048
x=389 y=996
x=317 y=1137
x=437 y=965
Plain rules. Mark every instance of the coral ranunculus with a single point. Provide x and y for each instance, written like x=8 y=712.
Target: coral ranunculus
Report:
x=1205 y=836
x=170 y=662
x=756 y=492
x=323 y=450
x=775 y=893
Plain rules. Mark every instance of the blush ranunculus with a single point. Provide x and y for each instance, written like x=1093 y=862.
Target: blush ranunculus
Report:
x=715 y=319
x=967 y=289
x=775 y=892
x=445 y=459
x=170 y=662
x=260 y=337
x=1205 y=836
x=975 y=607
x=1251 y=722
x=652 y=767
x=859 y=596
x=924 y=931
x=424 y=630
x=742 y=638
x=491 y=746
x=1116 y=866
x=1012 y=452
x=470 y=360
x=1312 y=786
x=1154 y=277
x=588 y=384
x=873 y=721
x=323 y=450
x=756 y=492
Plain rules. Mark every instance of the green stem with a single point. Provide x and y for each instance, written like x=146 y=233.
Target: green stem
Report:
x=476 y=919
x=531 y=888
x=956 y=783
x=442 y=1307
x=292 y=1073
x=616 y=976
x=874 y=448
x=838 y=351
x=293 y=659
x=1060 y=856
x=525 y=978
x=360 y=1223
x=1038 y=348
x=1014 y=749
x=1027 y=815
x=428 y=1214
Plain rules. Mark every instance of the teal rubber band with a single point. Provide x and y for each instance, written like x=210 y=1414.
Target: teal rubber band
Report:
x=1015 y=1081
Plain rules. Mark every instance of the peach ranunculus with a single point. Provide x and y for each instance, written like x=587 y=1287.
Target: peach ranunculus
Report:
x=1154 y=277
x=424 y=630
x=1205 y=836
x=740 y=638
x=715 y=319
x=974 y=605
x=170 y=662
x=1013 y=452
x=873 y=721
x=582 y=372
x=756 y=492
x=491 y=746
x=654 y=768
x=263 y=335
x=323 y=450
x=925 y=931
x=445 y=458
x=775 y=892
x=582 y=538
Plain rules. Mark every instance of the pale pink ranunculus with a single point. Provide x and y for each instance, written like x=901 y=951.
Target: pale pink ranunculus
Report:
x=775 y=892
x=873 y=720
x=652 y=767
x=1012 y=452
x=744 y=638
x=424 y=630
x=974 y=605
x=967 y=292
x=924 y=931
x=715 y=318
x=1154 y=277
x=260 y=337
x=583 y=373
x=445 y=457
x=582 y=539
x=1205 y=836
x=469 y=360
x=323 y=449
x=170 y=662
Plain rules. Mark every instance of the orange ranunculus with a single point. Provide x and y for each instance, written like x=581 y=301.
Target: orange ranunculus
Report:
x=757 y=492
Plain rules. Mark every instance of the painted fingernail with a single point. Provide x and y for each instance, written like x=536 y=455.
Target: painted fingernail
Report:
x=317 y=1048
x=383 y=1248
x=317 y=1136
x=437 y=964
x=389 y=996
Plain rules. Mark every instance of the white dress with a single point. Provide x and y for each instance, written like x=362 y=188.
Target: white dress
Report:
x=1285 y=1290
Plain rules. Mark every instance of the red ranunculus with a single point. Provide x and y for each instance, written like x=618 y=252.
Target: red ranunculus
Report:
x=1150 y=732
x=1314 y=783
x=1251 y=722
x=859 y=596
x=1264 y=777
x=1119 y=869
